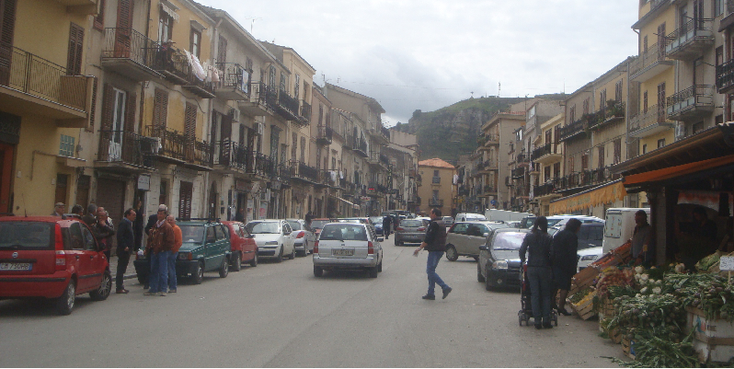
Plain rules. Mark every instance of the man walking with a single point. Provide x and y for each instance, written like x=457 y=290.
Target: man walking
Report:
x=172 y=278
x=125 y=246
x=386 y=222
x=435 y=244
x=160 y=243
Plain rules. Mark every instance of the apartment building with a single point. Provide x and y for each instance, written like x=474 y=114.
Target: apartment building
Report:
x=548 y=159
x=497 y=139
x=436 y=186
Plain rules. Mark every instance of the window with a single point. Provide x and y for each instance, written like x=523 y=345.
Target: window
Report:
x=294 y=147
x=719 y=7
x=99 y=18
x=618 y=91
x=584 y=161
x=283 y=81
x=548 y=136
x=274 y=142
x=195 y=42
x=88 y=239
x=435 y=173
x=160 y=108
x=617 y=151
x=586 y=107
x=296 y=88
x=644 y=149
x=719 y=55
x=661 y=143
x=76 y=48
x=163 y=193
x=644 y=102
x=222 y=51
x=547 y=173
x=190 y=121
x=557 y=170
x=603 y=100
x=165 y=27
x=271 y=77
x=66 y=147
x=303 y=149
x=601 y=157
x=572 y=114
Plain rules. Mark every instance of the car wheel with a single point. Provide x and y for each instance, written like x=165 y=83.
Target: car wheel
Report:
x=280 y=255
x=104 y=289
x=293 y=254
x=373 y=272
x=198 y=275
x=487 y=283
x=65 y=303
x=379 y=267
x=480 y=277
x=224 y=269
x=318 y=271
x=451 y=253
x=237 y=265
x=253 y=262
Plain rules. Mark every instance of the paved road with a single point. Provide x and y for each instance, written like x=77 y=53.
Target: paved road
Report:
x=280 y=315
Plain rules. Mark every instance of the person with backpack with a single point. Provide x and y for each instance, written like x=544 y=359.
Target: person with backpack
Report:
x=435 y=244
x=537 y=244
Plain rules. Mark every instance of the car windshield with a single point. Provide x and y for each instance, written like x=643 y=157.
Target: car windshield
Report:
x=296 y=226
x=411 y=223
x=192 y=233
x=263 y=227
x=475 y=217
x=508 y=240
x=376 y=220
x=318 y=224
x=343 y=232
x=26 y=235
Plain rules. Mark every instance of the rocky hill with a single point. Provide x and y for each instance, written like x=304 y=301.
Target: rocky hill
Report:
x=452 y=131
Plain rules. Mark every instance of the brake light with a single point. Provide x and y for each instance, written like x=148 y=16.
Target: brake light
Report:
x=370 y=248
x=316 y=247
x=301 y=234
x=59 y=247
x=422 y=228
x=399 y=229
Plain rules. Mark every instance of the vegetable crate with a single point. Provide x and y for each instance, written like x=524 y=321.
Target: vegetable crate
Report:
x=628 y=347
x=585 y=309
x=582 y=279
x=713 y=338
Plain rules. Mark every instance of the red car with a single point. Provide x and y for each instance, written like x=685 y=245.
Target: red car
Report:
x=53 y=258
x=244 y=248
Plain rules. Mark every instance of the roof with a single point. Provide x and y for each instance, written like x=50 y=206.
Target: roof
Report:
x=436 y=163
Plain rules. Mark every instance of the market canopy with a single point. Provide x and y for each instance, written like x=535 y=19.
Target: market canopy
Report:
x=676 y=171
x=603 y=194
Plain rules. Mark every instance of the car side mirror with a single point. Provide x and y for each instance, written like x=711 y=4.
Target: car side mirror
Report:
x=486 y=235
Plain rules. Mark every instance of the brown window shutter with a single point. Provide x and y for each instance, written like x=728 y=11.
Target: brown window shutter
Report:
x=93 y=110
x=190 y=121
x=130 y=113
x=99 y=18
x=76 y=48
x=160 y=108
x=108 y=107
x=125 y=14
x=222 y=52
x=7 y=27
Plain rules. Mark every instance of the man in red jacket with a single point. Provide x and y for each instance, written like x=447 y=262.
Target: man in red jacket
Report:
x=162 y=240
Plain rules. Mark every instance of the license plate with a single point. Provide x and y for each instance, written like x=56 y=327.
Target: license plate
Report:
x=343 y=252
x=16 y=266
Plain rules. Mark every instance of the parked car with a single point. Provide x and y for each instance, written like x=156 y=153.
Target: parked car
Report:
x=318 y=224
x=499 y=259
x=206 y=247
x=244 y=247
x=303 y=239
x=448 y=221
x=591 y=236
x=410 y=230
x=273 y=237
x=426 y=220
x=347 y=246
x=469 y=217
x=560 y=220
x=53 y=258
x=377 y=223
x=464 y=238
x=360 y=220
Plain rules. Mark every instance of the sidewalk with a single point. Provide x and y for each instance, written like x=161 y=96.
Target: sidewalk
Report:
x=129 y=273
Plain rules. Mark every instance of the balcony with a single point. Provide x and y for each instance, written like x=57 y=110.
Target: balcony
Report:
x=323 y=135
x=522 y=159
x=301 y=171
x=305 y=116
x=231 y=157
x=125 y=151
x=234 y=82
x=573 y=130
x=547 y=154
x=435 y=180
x=30 y=84
x=175 y=66
x=612 y=113
x=359 y=146
x=413 y=199
x=288 y=107
x=434 y=202
x=486 y=141
x=649 y=63
x=374 y=158
x=129 y=53
x=176 y=148
x=692 y=103
x=690 y=40
x=584 y=179
x=649 y=122
x=518 y=173
x=547 y=189
x=256 y=104
x=83 y=7
x=489 y=191
x=486 y=166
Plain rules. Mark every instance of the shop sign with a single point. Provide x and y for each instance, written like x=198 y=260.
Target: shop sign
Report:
x=144 y=182
x=241 y=185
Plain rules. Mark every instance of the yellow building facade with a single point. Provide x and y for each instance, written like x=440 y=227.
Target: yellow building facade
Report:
x=436 y=188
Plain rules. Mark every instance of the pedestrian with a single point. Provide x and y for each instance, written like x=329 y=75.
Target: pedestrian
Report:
x=153 y=218
x=564 y=260
x=59 y=209
x=537 y=244
x=240 y=217
x=78 y=210
x=138 y=225
x=104 y=231
x=90 y=218
x=386 y=222
x=160 y=244
x=125 y=246
x=435 y=244
x=177 y=235
x=641 y=238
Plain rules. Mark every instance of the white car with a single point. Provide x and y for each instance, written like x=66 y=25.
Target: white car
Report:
x=303 y=239
x=273 y=237
x=465 y=238
x=470 y=217
x=347 y=246
x=588 y=256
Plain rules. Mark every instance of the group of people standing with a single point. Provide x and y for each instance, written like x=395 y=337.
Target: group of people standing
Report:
x=164 y=241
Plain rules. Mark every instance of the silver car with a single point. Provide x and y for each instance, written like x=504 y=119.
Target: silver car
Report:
x=464 y=238
x=410 y=230
x=303 y=239
x=347 y=246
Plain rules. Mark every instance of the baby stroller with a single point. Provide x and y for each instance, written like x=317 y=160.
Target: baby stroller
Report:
x=526 y=310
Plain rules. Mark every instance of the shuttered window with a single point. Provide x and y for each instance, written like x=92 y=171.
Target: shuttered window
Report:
x=76 y=48
x=190 y=121
x=222 y=50
x=99 y=19
x=7 y=27
x=108 y=107
x=160 y=108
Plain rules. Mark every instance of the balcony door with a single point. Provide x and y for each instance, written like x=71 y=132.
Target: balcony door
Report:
x=124 y=28
x=661 y=102
x=7 y=27
x=118 y=125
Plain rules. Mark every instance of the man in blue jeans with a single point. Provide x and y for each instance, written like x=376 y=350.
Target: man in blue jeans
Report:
x=435 y=244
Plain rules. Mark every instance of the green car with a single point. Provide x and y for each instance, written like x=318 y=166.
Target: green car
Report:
x=205 y=248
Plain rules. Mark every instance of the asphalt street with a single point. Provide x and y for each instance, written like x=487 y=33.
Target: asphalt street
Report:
x=280 y=315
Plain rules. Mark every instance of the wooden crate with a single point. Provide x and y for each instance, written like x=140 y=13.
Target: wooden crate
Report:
x=713 y=338
x=628 y=347
x=615 y=335
x=583 y=279
x=585 y=311
x=606 y=308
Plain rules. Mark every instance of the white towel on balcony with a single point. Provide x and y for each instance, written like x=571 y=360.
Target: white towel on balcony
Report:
x=196 y=66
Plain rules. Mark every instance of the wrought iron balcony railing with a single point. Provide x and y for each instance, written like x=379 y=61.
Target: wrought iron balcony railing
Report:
x=725 y=77
x=124 y=147
x=324 y=135
x=127 y=44
x=234 y=78
x=572 y=130
x=690 y=100
x=175 y=65
x=178 y=146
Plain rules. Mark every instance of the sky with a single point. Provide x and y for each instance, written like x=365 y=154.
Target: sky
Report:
x=428 y=54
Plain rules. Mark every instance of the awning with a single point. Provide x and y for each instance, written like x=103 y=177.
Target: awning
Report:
x=351 y=204
x=603 y=194
x=676 y=171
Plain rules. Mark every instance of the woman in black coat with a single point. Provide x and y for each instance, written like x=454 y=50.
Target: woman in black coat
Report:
x=537 y=244
x=565 y=260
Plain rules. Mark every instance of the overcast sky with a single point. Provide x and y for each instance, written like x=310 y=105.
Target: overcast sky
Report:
x=427 y=54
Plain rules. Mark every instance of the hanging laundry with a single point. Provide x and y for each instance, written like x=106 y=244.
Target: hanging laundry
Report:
x=196 y=67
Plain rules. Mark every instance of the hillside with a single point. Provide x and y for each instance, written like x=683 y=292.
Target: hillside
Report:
x=452 y=131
